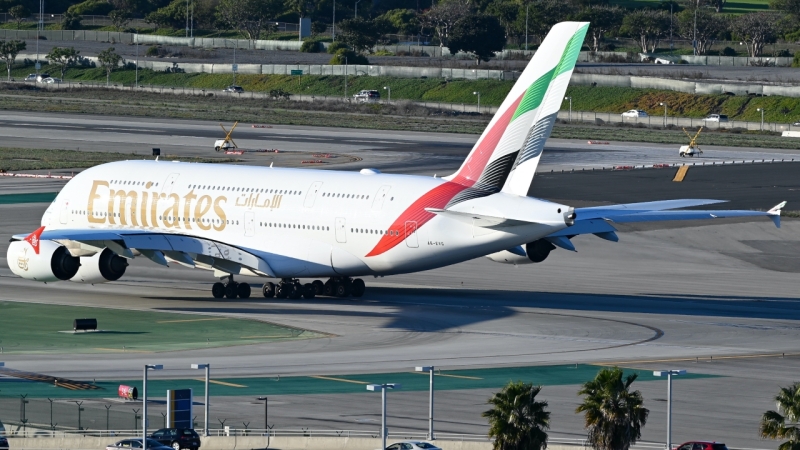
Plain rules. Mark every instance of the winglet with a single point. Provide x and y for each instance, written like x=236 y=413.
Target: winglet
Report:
x=34 y=239
x=775 y=213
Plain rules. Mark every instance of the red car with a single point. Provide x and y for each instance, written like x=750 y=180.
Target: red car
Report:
x=701 y=445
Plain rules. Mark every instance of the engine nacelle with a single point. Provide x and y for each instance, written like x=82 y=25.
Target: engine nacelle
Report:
x=534 y=252
x=102 y=267
x=53 y=263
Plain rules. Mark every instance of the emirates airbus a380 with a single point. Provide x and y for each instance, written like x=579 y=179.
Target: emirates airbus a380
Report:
x=288 y=224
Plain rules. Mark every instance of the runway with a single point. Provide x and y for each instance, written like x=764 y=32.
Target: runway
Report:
x=715 y=299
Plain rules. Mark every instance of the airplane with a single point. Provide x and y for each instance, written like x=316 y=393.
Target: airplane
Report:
x=288 y=224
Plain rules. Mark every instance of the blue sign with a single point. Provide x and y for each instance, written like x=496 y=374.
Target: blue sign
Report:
x=179 y=408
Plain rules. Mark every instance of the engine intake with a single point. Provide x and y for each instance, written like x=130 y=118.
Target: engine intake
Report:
x=534 y=252
x=102 y=267
x=53 y=263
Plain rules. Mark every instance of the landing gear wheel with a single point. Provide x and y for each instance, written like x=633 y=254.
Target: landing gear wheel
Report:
x=231 y=289
x=283 y=290
x=295 y=291
x=319 y=287
x=309 y=291
x=343 y=289
x=329 y=288
x=358 y=287
x=218 y=290
x=268 y=290
x=243 y=290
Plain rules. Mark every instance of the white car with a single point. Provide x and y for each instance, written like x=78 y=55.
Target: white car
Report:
x=51 y=80
x=31 y=77
x=412 y=445
x=367 y=96
x=635 y=113
x=716 y=118
x=137 y=443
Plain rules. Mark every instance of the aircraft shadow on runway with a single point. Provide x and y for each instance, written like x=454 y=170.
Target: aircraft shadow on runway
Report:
x=433 y=310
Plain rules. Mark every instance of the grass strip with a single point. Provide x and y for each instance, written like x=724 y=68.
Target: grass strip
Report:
x=33 y=197
x=18 y=159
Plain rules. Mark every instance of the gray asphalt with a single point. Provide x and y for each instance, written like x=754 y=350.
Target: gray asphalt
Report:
x=657 y=299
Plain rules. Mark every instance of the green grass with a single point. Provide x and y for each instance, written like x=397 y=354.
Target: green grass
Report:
x=731 y=6
x=16 y=159
x=37 y=328
x=35 y=197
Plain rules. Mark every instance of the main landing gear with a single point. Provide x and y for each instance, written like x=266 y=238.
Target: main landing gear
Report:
x=230 y=289
x=334 y=287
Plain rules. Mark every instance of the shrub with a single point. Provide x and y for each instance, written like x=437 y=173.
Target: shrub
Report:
x=335 y=47
x=352 y=58
x=796 y=60
x=727 y=51
x=91 y=7
x=152 y=51
x=310 y=46
x=383 y=53
x=318 y=28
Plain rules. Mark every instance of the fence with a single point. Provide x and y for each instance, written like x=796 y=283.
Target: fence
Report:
x=670 y=121
x=691 y=87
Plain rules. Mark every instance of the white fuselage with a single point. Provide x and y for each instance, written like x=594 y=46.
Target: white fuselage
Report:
x=305 y=223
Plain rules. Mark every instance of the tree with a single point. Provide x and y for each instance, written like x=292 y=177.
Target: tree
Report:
x=647 y=25
x=172 y=15
x=789 y=6
x=444 y=15
x=544 y=14
x=402 y=21
x=9 y=51
x=478 y=34
x=109 y=60
x=359 y=34
x=71 y=21
x=19 y=13
x=517 y=421
x=63 y=57
x=614 y=416
x=318 y=28
x=709 y=27
x=249 y=17
x=756 y=30
x=602 y=20
x=783 y=424
x=506 y=11
x=120 y=18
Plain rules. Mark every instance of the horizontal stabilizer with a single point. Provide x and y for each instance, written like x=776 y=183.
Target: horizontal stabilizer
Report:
x=605 y=212
x=479 y=220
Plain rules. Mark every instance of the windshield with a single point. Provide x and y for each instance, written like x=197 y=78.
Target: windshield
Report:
x=426 y=445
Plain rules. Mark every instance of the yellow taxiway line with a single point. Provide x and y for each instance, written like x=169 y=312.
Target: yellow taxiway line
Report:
x=343 y=380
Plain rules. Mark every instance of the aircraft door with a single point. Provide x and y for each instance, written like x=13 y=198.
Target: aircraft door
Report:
x=65 y=212
x=341 y=231
x=411 y=234
x=249 y=223
x=377 y=204
x=311 y=195
x=169 y=183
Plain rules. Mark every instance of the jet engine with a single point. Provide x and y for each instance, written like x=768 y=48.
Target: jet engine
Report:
x=102 y=267
x=533 y=252
x=52 y=263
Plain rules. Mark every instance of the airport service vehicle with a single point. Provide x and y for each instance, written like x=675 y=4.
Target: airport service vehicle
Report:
x=137 y=443
x=288 y=224
x=226 y=143
x=177 y=438
x=412 y=445
x=635 y=113
x=716 y=118
x=701 y=445
x=367 y=96
x=692 y=149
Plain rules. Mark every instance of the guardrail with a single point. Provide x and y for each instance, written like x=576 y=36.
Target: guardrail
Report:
x=602 y=118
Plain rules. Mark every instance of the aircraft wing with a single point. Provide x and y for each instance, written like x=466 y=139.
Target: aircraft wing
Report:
x=597 y=220
x=160 y=248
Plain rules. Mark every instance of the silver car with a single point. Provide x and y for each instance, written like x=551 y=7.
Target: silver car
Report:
x=412 y=445
x=634 y=113
x=137 y=443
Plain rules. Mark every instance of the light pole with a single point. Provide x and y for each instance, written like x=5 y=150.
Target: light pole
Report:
x=144 y=401
x=187 y=18
x=694 y=36
x=762 y=118
x=526 y=25
x=207 y=367
x=266 y=412
x=669 y=374
x=345 y=77
x=136 y=37
x=357 y=8
x=390 y=92
x=570 y=108
x=235 y=67
x=383 y=388
x=333 y=23
x=430 y=370
x=665 y=113
x=479 y=100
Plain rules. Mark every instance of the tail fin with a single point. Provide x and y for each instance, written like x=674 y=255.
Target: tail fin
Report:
x=507 y=153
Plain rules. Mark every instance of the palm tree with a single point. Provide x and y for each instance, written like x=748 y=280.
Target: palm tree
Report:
x=614 y=416
x=783 y=424
x=517 y=421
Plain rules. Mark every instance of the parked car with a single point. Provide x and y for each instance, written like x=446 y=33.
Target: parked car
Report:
x=635 y=113
x=716 y=118
x=51 y=80
x=367 y=96
x=137 y=443
x=3 y=443
x=412 y=445
x=178 y=438
x=702 y=445
x=234 y=89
